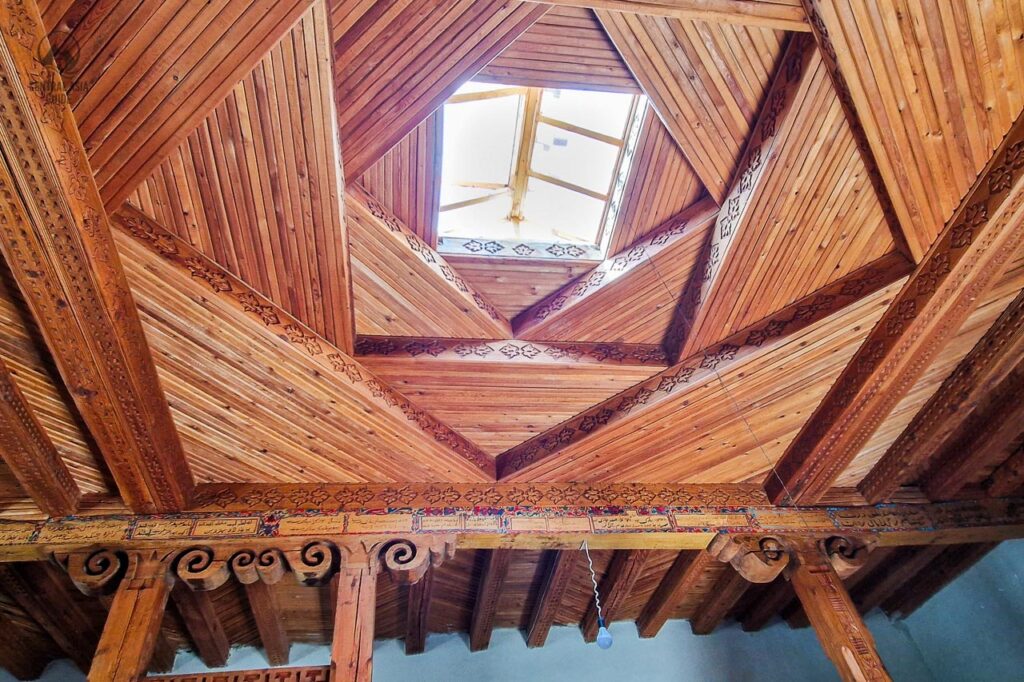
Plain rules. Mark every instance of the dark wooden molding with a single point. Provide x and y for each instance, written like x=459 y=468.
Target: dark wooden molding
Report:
x=269 y=622
x=314 y=673
x=202 y=623
x=971 y=253
x=668 y=384
x=682 y=577
x=30 y=454
x=495 y=570
x=56 y=238
x=417 y=620
x=561 y=566
x=625 y=569
x=986 y=365
x=766 y=15
x=728 y=590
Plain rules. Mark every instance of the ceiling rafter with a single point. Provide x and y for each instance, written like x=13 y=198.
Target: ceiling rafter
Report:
x=398 y=62
x=972 y=251
x=988 y=363
x=784 y=15
x=56 y=239
x=390 y=410
x=626 y=567
x=590 y=425
x=427 y=296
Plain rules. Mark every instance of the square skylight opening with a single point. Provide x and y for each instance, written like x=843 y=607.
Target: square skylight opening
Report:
x=534 y=172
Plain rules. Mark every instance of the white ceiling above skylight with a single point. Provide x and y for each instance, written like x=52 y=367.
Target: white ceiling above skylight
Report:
x=532 y=165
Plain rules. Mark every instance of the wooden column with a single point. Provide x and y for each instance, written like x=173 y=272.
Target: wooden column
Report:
x=562 y=566
x=835 y=618
x=487 y=595
x=133 y=623
x=352 y=647
x=418 y=614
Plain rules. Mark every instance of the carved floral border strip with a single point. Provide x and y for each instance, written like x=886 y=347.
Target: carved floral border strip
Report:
x=512 y=350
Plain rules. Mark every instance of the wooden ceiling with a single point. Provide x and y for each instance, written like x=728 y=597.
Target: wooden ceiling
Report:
x=236 y=276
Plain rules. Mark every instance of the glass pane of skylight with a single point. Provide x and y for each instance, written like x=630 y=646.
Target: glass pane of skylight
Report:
x=480 y=139
x=484 y=220
x=601 y=112
x=554 y=213
x=571 y=157
x=477 y=86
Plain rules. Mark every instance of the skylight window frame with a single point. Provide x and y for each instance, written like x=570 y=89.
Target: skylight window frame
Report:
x=522 y=171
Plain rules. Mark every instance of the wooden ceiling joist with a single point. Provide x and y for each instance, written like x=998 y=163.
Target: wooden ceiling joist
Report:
x=424 y=295
x=728 y=590
x=972 y=251
x=57 y=242
x=379 y=413
x=203 y=624
x=257 y=185
x=625 y=569
x=30 y=454
x=682 y=579
x=902 y=565
x=1008 y=478
x=268 y=616
x=418 y=614
x=491 y=582
x=560 y=569
x=592 y=425
x=707 y=117
x=947 y=567
x=784 y=15
x=988 y=363
x=398 y=62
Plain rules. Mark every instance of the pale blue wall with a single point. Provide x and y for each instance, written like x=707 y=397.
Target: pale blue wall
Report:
x=973 y=630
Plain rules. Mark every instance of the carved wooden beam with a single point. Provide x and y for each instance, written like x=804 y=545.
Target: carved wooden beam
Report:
x=417 y=620
x=761 y=337
x=30 y=454
x=971 y=252
x=47 y=601
x=730 y=587
x=487 y=594
x=686 y=572
x=56 y=239
x=465 y=456
x=352 y=644
x=625 y=569
x=947 y=567
x=985 y=439
x=988 y=363
x=1008 y=478
x=687 y=333
x=765 y=14
x=860 y=136
x=202 y=623
x=561 y=566
x=837 y=623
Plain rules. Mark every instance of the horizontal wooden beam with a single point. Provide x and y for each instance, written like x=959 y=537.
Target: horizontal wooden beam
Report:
x=312 y=673
x=776 y=15
x=511 y=350
x=972 y=251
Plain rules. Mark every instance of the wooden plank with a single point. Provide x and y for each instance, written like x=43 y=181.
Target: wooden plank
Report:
x=838 y=625
x=985 y=439
x=684 y=574
x=56 y=239
x=790 y=83
x=561 y=566
x=727 y=592
x=951 y=564
x=352 y=646
x=30 y=455
x=133 y=624
x=47 y=601
x=986 y=365
x=418 y=614
x=203 y=624
x=781 y=15
x=486 y=604
x=266 y=613
x=971 y=253
x=618 y=582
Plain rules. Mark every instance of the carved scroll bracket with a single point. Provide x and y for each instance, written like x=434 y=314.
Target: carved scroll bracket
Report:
x=759 y=559
x=101 y=571
x=844 y=553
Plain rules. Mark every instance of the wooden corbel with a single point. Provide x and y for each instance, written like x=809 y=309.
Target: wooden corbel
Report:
x=758 y=558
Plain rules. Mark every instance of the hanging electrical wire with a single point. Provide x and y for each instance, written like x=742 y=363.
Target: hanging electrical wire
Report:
x=604 y=638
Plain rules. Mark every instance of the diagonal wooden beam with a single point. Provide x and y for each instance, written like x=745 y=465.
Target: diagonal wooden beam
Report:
x=561 y=566
x=988 y=363
x=778 y=15
x=949 y=565
x=625 y=569
x=985 y=439
x=426 y=287
x=30 y=454
x=417 y=618
x=1008 y=478
x=728 y=590
x=971 y=252
x=487 y=594
x=397 y=62
x=430 y=434
x=686 y=572
x=56 y=239
x=202 y=623
x=899 y=569
x=266 y=612
x=792 y=79
x=761 y=337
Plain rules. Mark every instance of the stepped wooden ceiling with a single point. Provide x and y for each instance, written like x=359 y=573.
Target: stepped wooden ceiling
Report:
x=813 y=280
